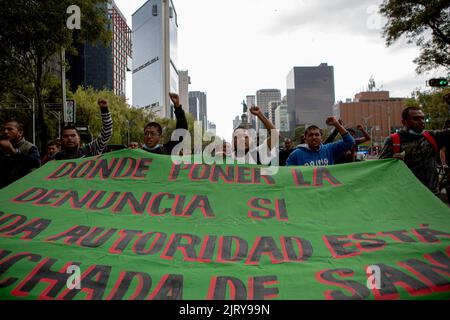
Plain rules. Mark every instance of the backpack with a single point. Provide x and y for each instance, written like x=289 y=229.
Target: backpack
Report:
x=396 y=141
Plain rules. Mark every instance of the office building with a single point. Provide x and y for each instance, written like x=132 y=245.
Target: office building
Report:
x=183 y=85
x=103 y=67
x=282 y=118
x=273 y=105
x=310 y=95
x=194 y=107
x=376 y=111
x=155 y=56
x=263 y=97
x=202 y=107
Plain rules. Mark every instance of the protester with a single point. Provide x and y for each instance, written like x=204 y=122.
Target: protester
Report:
x=153 y=131
x=18 y=157
x=133 y=145
x=333 y=134
x=445 y=159
x=418 y=148
x=71 y=148
x=445 y=152
x=286 y=151
x=314 y=153
x=224 y=153
x=245 y=144
x=52 y=149
x=350 y=155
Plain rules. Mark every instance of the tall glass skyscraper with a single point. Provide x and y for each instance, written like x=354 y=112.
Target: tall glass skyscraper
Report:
x=310 y=95
x=202 y=107
x=263 y=98
x=103 y=67
x=155 y=56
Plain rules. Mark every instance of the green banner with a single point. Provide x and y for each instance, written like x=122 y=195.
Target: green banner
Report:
x=134 y=225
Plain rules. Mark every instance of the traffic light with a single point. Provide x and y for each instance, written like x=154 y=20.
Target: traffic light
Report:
x=438 y=82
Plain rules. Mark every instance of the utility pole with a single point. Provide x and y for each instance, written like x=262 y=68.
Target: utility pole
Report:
x=63 y=85
x=34 y=124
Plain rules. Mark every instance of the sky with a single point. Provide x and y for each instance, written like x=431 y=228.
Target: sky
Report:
x=234 y=48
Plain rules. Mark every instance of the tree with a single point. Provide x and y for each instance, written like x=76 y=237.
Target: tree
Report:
x=127 y=121
x=33 y=32
x=433 y=105
x=423 y=22
x=16 y=103
x=299 y=131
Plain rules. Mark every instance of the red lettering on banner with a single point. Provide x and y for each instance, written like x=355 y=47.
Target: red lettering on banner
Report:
x=115 y=168
x=225 y=174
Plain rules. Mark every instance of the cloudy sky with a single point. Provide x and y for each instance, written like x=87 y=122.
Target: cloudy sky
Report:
x=234 y=48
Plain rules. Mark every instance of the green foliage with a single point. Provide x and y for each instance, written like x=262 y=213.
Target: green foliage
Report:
x=433 y=105
x=298 y=133
x=32 y=33
x=126 y=120
x=425 y=23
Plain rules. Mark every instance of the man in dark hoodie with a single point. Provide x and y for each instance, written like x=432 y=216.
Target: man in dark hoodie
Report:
x=153 y=131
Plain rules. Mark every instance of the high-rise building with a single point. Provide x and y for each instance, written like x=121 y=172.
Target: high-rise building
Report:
x=155 y=50
x=194 y=107
x=376 y=111
x=273 y=105
x=203 y=107
x=183 y=85
x=310 y=95
x=103 y=67
x=282 y=118
x=263 y=97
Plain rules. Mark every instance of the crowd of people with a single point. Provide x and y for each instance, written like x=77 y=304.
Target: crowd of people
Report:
x=424 y=152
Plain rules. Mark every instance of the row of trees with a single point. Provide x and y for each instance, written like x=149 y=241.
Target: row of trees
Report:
x=32 y=36
x=128 y=121
x=434 y=106
x=426 y=24
x=32 y=33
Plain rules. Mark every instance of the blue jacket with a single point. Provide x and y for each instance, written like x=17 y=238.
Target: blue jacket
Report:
x=327 y=153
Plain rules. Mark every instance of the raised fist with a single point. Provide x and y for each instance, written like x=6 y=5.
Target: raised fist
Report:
x=255 y=110
x=103 y=103
x=175 y=99
x=331 y=121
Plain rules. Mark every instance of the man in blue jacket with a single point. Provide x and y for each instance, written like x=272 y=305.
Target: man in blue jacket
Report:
x=314 y=153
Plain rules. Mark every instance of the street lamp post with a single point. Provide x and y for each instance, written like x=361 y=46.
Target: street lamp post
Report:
x=34 y=124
